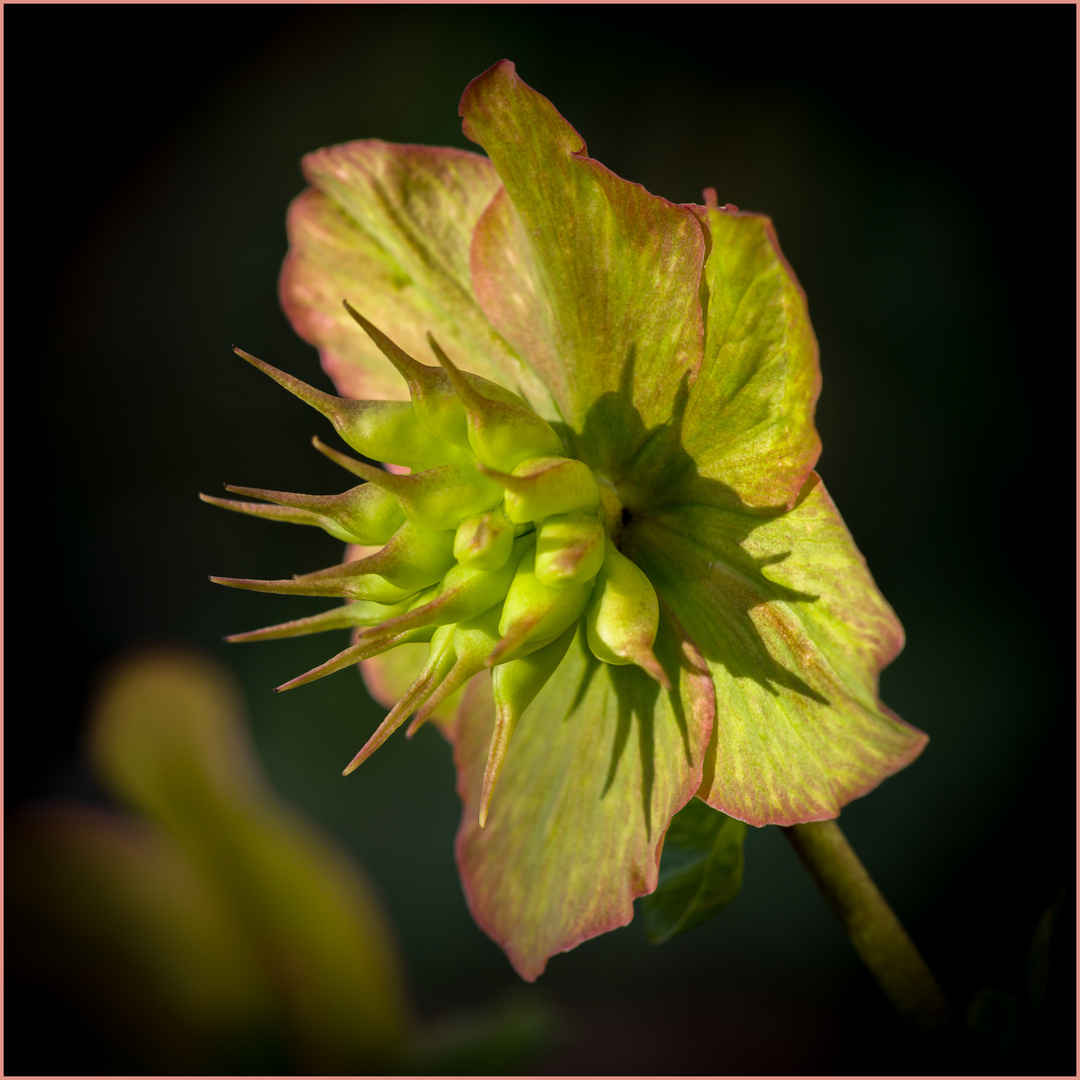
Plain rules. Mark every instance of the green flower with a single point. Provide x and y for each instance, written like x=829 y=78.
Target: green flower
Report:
x=615 y=509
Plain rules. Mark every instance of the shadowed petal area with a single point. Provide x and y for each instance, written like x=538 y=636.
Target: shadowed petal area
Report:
x=616 y=269
x=596 y=769
x=389 y=228
x=795 y=632
x=748 y=420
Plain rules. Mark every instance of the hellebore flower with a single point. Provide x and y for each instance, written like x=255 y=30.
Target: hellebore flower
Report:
x=612 y=504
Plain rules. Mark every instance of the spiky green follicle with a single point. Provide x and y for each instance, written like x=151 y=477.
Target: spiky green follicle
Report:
x=493 y=549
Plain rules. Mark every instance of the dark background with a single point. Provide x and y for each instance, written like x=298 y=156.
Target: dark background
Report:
x=919 y=166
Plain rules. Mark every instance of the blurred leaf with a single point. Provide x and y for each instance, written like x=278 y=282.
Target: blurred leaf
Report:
x=1038 y=958
x=700 y=871
x=991 y=1017
x=114 y=908
x=169 y=739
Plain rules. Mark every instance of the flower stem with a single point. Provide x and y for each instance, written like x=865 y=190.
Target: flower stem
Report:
x=873 y=928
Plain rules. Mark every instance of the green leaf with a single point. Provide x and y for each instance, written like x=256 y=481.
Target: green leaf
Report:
x=794 y=632
x=701 y=871
x=597 y=766
x=389 y=229
x=596 y=274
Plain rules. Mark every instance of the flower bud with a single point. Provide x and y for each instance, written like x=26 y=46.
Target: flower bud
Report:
x=381 y=430
x=433 y=397
x=515 y=684
x=485 y=541
x=624 y=615
x=502 y=434
x=365 y=514
x=569 y=549
x=535 y=613
x=543 y=486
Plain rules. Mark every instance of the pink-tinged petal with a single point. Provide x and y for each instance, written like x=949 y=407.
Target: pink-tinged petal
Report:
x=746 y=436
x=389 y=229
x=596 y=768
x=795 y=634
x=616 y=271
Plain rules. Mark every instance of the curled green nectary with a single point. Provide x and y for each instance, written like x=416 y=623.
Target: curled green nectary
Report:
x=492 y=549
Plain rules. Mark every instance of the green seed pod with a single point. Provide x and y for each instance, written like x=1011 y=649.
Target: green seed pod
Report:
x=436 y=498
x=381 y=430
x=412 y=559
x=535 y=613
x=543 y=486
x=569 y=549
x=624 y=615
x=365 y=514
x=485 y=541
x=515 y=685
x=463 y=594
x=433 y=397
x=502 y=434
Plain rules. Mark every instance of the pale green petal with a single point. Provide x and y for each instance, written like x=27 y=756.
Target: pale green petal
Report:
x=614 y=270
x=795 y=633
x=744 y=436
x=389 y=228
x=596 y=768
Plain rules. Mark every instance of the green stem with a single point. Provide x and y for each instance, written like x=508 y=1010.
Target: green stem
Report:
x=879 y=939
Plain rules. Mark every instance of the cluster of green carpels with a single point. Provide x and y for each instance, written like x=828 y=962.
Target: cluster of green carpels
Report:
x=493 y=548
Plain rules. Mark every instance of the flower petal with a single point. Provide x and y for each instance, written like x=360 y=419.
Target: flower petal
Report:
x=389 y=228
x=795 y=633
x=595 y=771
x=745 y=434
x=616 y=269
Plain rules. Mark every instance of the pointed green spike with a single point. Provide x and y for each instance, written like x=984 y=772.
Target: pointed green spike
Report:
x=287 y=514
x=515 y=684
x=365 y=514
x=382 y=430
x=367 y=587
x=433 y=396
x=412 y=559
x=363 y=649
x=473 y=640
x=543 y=486
x=624 y=615
x=440 y=661
x=502 y=434
x=343 y=617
